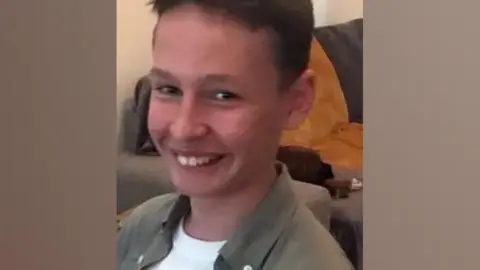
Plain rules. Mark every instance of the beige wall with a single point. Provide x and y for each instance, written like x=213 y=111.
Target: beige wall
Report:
x=134 y=29
x=135 y=22
x=343 y=10
x=336 y=11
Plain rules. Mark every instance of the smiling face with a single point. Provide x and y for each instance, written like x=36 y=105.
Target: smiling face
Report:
x=216 y=112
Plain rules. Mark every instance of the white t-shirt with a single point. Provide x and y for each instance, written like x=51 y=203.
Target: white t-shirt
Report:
x=189 y=253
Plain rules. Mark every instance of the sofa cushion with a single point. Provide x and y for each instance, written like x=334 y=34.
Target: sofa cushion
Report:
x=343 y=43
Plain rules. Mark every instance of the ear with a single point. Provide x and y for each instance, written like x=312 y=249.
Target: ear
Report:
x=301 y=96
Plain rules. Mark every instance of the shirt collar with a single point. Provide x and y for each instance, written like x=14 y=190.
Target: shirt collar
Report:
x=257 y=234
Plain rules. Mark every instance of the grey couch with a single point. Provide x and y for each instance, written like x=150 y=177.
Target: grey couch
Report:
x=140 y=177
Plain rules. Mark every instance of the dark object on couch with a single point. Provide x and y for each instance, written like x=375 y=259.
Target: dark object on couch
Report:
x=305 y=165
x=143 y=144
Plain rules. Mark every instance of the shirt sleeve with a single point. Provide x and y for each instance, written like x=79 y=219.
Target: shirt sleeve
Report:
x=124 y=236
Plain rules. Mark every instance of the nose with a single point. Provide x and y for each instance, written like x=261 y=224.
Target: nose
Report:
x=187 y=124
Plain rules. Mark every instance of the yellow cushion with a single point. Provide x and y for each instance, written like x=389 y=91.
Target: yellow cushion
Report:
x=327 y=130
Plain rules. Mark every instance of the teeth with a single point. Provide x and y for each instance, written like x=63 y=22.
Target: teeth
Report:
x=193 y=161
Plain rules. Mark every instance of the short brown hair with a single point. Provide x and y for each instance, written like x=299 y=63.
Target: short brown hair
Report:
x=290 y=23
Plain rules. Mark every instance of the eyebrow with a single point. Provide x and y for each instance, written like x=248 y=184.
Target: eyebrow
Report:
x=218 y=78
x=164 y=74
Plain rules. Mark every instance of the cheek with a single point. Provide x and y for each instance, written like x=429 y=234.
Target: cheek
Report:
x=245 y=129
x=158 y=116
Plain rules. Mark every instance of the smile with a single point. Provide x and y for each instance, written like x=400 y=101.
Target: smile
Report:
x=198 y=161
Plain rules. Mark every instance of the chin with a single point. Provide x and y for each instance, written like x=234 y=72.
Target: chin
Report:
x=200 y=181
x=194 y=188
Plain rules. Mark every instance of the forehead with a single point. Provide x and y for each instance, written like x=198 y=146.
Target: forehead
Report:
x=189 y=40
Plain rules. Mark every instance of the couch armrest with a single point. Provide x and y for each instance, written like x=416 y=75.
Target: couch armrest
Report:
x=140 y=178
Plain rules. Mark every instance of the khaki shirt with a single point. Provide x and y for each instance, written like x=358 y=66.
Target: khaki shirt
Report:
x=281 y=234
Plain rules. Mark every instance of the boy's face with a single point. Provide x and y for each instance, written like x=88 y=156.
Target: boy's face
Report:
x=216 y=111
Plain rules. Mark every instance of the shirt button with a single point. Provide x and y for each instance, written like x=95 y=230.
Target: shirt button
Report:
x=247 y=267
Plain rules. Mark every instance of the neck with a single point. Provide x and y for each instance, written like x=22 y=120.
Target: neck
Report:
x=217 y=218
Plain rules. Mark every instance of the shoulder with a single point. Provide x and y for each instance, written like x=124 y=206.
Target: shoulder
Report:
x=143 y=223
x=306 y=244
x=155 y=208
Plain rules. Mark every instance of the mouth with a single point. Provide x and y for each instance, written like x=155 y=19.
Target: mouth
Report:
x=198 y=160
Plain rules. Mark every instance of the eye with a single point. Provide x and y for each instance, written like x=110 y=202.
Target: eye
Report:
x=225 y=95
x=168 y=90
